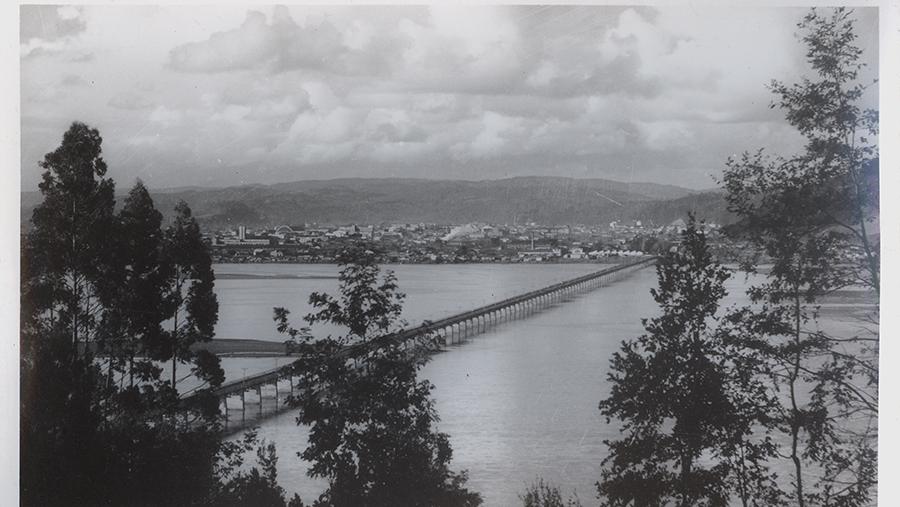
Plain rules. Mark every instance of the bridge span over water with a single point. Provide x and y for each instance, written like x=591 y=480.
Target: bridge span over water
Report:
x=247 y=401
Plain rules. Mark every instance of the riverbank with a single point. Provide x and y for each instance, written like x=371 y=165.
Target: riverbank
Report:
x=239 y=347
x=219 y=259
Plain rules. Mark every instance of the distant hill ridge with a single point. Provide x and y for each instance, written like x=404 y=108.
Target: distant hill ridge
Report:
x=542 y=199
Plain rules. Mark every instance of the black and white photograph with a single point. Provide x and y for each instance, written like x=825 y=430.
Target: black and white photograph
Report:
x=449 y=254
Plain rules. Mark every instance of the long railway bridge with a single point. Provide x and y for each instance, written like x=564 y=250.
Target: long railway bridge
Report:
x=247 y=401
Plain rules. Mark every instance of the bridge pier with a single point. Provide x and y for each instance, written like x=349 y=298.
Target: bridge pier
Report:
x=458 y=328
x=223 y=409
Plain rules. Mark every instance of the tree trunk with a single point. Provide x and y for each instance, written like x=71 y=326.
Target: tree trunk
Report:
x=174 y=348
x=795 y=411
x=742 y=477
x=175 y=325
x=687 y=499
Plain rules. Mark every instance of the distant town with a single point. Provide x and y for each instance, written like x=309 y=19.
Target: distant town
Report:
x=464 y=243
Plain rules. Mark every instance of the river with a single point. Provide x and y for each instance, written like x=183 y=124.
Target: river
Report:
x=519 y=401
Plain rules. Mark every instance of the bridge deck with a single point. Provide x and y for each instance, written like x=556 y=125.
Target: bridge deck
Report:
x=360 y=349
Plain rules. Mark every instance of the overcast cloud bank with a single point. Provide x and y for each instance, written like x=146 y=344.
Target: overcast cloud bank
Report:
x=229 y=95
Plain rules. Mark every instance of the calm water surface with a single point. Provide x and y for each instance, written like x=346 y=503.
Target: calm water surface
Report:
x=248 y=292
x=519 y=401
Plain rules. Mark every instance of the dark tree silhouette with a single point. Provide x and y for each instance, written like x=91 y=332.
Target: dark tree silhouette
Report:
x=256 y=487
x=673 y=389
x=67 y=261
x=190 y=301
x=544 y=494
x=371 y=433
x=811 y=216
x=91 y=297
x=63 y=290
x=135 y=322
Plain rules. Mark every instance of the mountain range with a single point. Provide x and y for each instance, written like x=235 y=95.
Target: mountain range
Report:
x=545 y=200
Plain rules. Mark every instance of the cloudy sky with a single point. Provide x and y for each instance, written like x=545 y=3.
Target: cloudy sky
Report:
x=228 y=95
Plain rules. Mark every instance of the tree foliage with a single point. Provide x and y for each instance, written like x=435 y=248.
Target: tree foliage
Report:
x=811 y=216
x=685 y=409
x=65 y=259
x=768 y=381
x=98 y=425
x=134 y=324
x=371 y=420
x=256 y=487
x=189 y=300
x=544 y=494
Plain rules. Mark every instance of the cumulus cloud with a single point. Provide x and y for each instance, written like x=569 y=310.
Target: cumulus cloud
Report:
x=245 y=47
x=49 y=22
x=282 y=44
x=434 y=49
x=197 y=95
x=45 y=29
